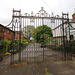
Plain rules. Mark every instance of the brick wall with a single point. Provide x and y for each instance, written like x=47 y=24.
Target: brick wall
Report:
x=5 y=34
x=8 y=35
x=1 y=33
x=17 y=35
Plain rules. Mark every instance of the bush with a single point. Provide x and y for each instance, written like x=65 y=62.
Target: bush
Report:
x=69 y=46
x=7 y=54
x=42 y=34
x=14 y=51
x=4 y=43
x=14 y=47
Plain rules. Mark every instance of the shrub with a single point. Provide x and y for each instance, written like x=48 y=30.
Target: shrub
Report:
x=7 y=54
x=14 y=47
x=69 y=46
x=3 y=43
x=13 y=51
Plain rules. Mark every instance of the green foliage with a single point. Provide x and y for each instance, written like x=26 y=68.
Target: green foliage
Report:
x=42 y=34
x=48 y=73
x=13 y=51
x=24 y=42
x=56 y=41
x=28 y=31
x=69 y=46
x=3 y=48
x=4 y=42
x=14 y=47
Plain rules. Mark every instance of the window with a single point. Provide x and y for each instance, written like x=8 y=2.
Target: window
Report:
x=8 y=31
x=2 y=29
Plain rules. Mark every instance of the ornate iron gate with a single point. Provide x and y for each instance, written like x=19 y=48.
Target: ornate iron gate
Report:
x=48 y=48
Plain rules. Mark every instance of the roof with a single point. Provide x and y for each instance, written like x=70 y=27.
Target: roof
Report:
x=5 y=27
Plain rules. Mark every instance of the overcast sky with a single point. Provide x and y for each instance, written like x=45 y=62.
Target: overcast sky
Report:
x=26 y=6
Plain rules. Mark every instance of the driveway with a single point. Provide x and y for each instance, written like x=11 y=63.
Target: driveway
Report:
x=34 y=53
x=31 y=54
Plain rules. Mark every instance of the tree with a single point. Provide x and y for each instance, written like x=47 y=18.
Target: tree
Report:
x=42 y=34
x=28 y=31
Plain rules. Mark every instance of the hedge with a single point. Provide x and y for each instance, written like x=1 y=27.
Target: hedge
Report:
x=69 y=46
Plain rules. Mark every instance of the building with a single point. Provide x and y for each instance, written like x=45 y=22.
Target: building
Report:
x=6 y=33
x=17 y=35
x=58 y=32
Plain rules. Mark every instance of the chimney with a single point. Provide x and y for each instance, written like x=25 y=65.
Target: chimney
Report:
x=73 y=16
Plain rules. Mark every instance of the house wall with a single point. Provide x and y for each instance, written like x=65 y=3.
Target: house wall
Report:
x=4 y=34
x=1 y=33
x=17 y=36
x=8 y=36
x=72 y=31
x=58 y=33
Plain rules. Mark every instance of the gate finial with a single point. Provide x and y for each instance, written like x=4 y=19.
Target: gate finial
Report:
x=52 y=15
x=32 y=13
x=42 y=8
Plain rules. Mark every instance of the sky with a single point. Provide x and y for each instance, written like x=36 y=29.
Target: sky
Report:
x=26 y=6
